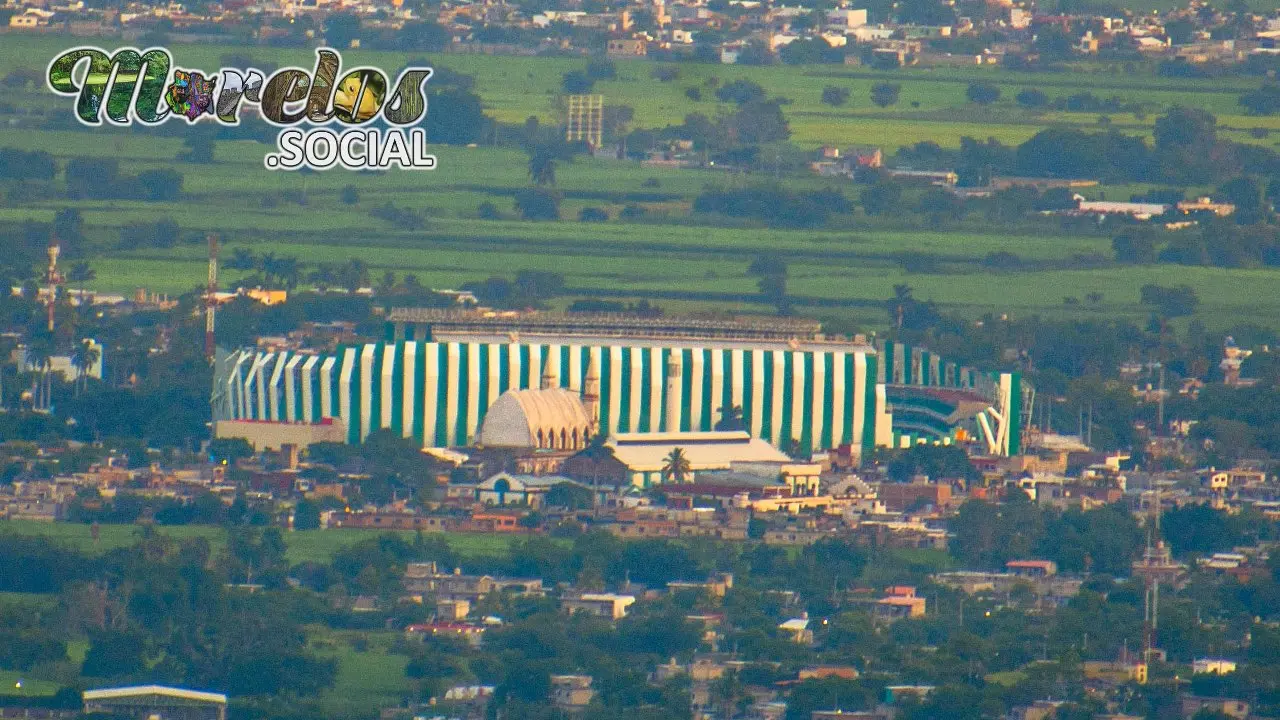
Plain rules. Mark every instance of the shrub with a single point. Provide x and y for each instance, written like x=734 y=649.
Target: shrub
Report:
x=835 y=96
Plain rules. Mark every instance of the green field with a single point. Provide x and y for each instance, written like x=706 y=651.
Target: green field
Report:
x=303 y=546
x=667 y=256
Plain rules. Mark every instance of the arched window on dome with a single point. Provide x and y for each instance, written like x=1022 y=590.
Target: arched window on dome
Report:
x=541 y=443
x=564 y=439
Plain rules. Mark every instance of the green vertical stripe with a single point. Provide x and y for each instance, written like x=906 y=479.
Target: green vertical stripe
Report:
x=357 y=397
x=607 y=391
x=749 y=409
x=766 y=381
x=442 y=396
x=663 y=422
x=1014 y=414
x=828 y=401
x=869 y=408
x=526 y=357
x=483 y=396
x=788 y=398
x=335 y=372
x=646 y=378
x=853 y=403
x=397 y=389
x=806 y=423
x=298 y=410
x=317 y=372
x=375 y=389
x=686 y=391
x=464 y=389
x=708 y=402
x=624 y=393
x=504 y=368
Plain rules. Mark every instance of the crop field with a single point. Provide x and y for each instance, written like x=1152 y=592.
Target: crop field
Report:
x=303 y=546
x=666 y=255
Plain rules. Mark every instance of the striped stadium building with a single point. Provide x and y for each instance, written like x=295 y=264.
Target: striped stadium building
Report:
x=819 y=395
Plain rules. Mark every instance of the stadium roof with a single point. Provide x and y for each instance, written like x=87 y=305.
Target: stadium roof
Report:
x=138 y=691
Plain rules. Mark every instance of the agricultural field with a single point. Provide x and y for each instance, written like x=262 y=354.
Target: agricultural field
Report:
x=666 y=256
x=303 y=546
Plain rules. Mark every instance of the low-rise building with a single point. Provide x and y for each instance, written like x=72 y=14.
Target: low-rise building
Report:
x=606 y=605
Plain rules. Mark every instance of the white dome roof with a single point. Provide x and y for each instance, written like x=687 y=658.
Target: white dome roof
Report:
x=537 y=418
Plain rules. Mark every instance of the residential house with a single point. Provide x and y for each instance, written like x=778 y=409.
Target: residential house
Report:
x=571 y=692
x=606 y=605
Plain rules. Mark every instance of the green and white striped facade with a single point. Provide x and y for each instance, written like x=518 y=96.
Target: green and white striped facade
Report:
x=438 y=392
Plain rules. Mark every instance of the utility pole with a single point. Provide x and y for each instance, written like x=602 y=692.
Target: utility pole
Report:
x=1160 y=403
x=210 y=299
x=54 y=278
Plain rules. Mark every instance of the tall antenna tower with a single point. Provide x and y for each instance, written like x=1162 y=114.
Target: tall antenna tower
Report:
x=1156 y=566
x=585 y=122
x=210 y=299
x=55 y=249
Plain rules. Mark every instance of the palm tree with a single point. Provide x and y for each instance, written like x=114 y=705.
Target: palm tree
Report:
x=731 y=419
x=324 y=276
x=242 y=259
x=83 y=357
x=676 y=466
x=40 y=359
x=80 y=274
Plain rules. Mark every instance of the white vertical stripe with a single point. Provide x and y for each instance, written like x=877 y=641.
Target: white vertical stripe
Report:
x=819 y=407
x=308 y=389
x=859 y=404
x=388 y=382
x=473 y=389
x=366 y=389
x=595 y=353
x=757 y=392
x=410 y=393
x=260 y=384
x=495 y=374
x=657 y=380
x=675 y=392
x=736 y=391
x=430 y=392
x=290 y=388
x=717 y=386
x=273 y=387
x=697 y=371
x=797 y=395
x=554 y=367
x=838 y=398
x=450 y=379
x=637 y=355
x=326 y=386
x=574 y=381
x=534 y=371
x=235 y=386
x=615 y=389
x=779 y=366
x=277 y=378
x=344 y=385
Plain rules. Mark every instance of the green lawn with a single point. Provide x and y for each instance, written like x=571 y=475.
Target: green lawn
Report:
x=14 y=684
x=366 y=680
x=303 y=546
